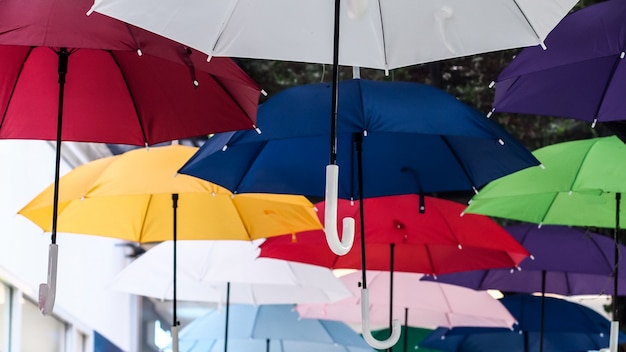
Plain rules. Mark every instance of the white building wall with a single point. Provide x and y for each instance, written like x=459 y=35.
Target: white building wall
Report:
x=86 y=265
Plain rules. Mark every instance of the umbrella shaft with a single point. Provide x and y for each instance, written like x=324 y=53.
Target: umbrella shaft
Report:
x=335 y=87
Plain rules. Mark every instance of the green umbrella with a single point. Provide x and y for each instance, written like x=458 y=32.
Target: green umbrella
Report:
x=411 y=338
x=579 y=183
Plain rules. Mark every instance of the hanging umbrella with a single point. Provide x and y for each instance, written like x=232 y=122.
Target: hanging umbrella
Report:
x=376 y=34
x=68 y=77
x=225 y=272
x=134 y=196
x=269 y=328
x=417 y=303
x=580 y=185
x=401 y=238
x=571 y=327
x=580 y=77
x=452 y=147
x=437 y=241
x=564 y=260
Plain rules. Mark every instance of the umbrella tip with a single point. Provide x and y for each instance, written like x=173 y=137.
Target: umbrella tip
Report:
x=263 y=92
x=90 y=11
x=492 y=84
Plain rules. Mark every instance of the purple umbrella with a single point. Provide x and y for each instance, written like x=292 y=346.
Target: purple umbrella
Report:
x=580 y=76
x=564 y=260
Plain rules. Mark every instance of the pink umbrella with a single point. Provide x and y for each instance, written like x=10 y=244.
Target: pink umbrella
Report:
x=419 y=305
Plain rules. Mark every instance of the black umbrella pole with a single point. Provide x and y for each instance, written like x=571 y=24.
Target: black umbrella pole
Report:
x=405 y=338
x=391 y=256
x=543 y=307
x=335 y=87
x=175 y=207
x=63 y=56
x=227 y=311
x=358 y=142
x=615 y=321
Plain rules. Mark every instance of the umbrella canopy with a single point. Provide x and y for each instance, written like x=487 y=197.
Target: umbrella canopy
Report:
x=580 y=77
x=564 y=260
x=414 y=139
x=146 y=89
x=205 y=268
x=132 y=97
x=576 y=186
x=269 y=328
x=376 y=34
x=135 y=196
x=135 y=189
x=571 y=327
x=427 y=304
x=436 y=241
x=580 y=184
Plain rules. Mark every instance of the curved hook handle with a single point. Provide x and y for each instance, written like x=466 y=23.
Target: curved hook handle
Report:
x=367 y=332
x=330 y=216
x=47 y=291
x=174 y=332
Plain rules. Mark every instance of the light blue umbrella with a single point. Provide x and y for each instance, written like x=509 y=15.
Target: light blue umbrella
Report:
x=273 y=328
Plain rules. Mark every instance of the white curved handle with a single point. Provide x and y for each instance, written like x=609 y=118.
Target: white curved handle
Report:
x=367 y=332
x=47 y=291
x=614 y=336
x=330 y=216
x=174 y=332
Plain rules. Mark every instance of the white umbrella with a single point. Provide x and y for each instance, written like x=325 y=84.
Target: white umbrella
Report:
x=383 y=34
x=225 y=272
x=205 y=268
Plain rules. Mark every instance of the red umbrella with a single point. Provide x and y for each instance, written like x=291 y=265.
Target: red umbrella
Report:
x=66 y=76
x=435 y=241
x=408 y=234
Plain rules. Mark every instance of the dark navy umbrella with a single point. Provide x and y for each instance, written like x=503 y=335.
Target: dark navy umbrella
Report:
x=392 y=138
x=570 y=327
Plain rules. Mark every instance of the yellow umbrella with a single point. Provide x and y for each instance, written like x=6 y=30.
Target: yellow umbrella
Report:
x=129 y=197
x=138 y=196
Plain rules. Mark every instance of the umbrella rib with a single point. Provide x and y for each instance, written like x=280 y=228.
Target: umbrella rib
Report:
x=382 y=33
x=606 y=86
x=595 y=243
x=529 y=23
x=224 y=25
x=132 y=98
x=459 y=160
x=235 y=101
x=139 y=239
x=4 y=114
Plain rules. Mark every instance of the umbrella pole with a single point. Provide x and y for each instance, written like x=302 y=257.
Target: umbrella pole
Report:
x=542 y=315
x=613 y=341
x=174 y=235
x=343 y=246
x=365 y=313
x=47 y=291
x=391 y=256
x=227 y=311
x=405 y=338
x=335 y=86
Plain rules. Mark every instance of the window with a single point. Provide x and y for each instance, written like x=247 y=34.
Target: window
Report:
x=41 y=333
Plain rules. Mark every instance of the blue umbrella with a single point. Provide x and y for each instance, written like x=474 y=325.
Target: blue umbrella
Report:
x=269 y=328
x=392 y=138
x=570 y=327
